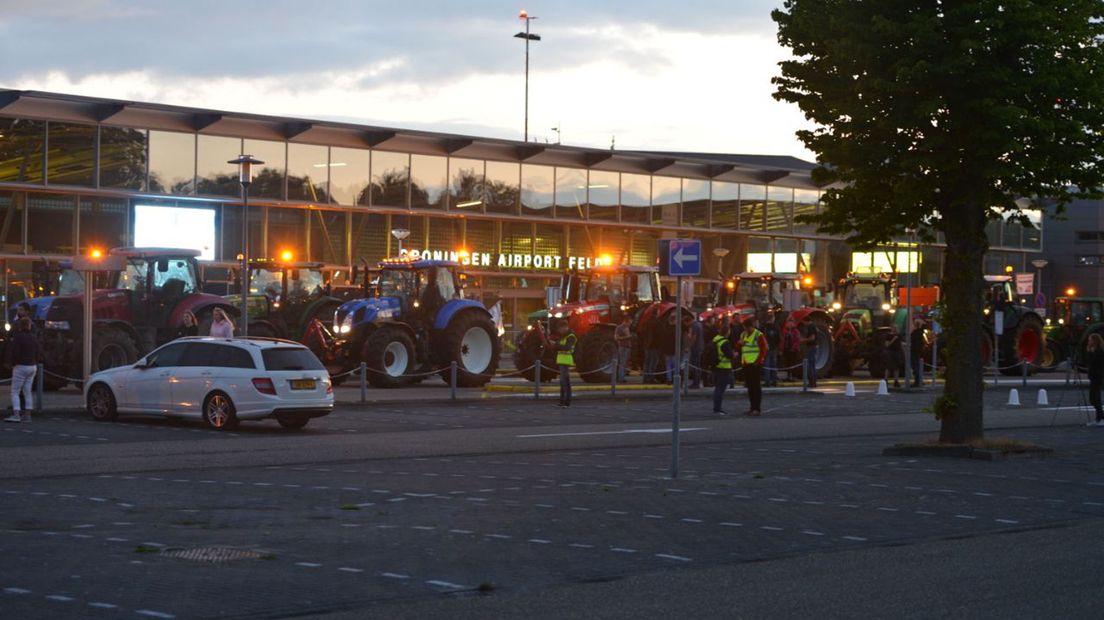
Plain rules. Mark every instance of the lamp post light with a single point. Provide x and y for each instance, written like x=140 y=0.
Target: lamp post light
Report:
x=245 y=177
x=1039 y=264
x=399 y=234
x=526 y=17
x=720 y=253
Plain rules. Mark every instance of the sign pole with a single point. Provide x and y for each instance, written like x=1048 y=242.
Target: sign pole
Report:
x=676 y=379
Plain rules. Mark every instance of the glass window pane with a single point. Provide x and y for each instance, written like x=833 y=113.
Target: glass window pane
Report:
x=286 y=231
x=349 y=180
x=517 y=238
x=328 y=236
x=549 y=242
x=602 y=195
x=759 y=255
x=479 y=237
x=369 y=235
x=726 y=205
x=695 y=202
x=122 y=158
x=570 y=193
x=502 y=187
x=1011 y=234
x=537 y=187
x=805 y=204
x=308 y=172
x=51 y=231
x=13 y=205
x=172 y=163
x=268 y=178
x=666 y=199
x=636 y=198
x=231 y=232
x=102 y=223
x=215 y=177
x=390 y=176
x=753 y=206
x=582 y=243
x=779 y=208
x=445 y=235
x=21 y=150
x=1033 y=235
x=71 y=156
x=644 y=247
x=466 y=189
x=428 y=182
x=992 y=233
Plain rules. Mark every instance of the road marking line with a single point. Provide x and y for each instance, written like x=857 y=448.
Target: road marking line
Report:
x=423 y=527
x=83 y=526
x=1008 y=521
x=813 y=503
x=349 y=569
x=153 y=614
x=668 y=556
x=59 y=598
x=730 y=524
x=849 y=505
x=689 y=520
x=1092 y=503
x=446 y=584
x=103 y=605
x=544 y=505
x=634 y=431
x=461 y=531
x=965 y=517
x=308 y=564
x=770 y=528
x=812 y=533
x=499 y=536
x=648 y=516
x=622 y=550
x=924 y=512
x=887 y=509
x=980 y=494
x=855 y=538
x=16 y=591
x=616 y=512
x=394 y=575
x=540 y=541
x=581 y=546
x=95 y=499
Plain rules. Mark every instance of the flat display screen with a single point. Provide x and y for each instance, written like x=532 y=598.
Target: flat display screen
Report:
x=175 y=227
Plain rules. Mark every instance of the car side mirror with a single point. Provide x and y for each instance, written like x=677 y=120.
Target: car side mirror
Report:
x=141 y=365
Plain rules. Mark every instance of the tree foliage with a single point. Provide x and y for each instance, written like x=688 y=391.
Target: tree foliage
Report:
x=938 y=116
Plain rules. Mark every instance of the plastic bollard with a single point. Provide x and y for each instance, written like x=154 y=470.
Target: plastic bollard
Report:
x=849 y=390
x=883 y=388
x=1014 y=397
x=1041 y=399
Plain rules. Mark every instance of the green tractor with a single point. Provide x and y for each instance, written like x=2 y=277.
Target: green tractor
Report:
x=867 y=312
x=1067 y=328
x=1022 y=337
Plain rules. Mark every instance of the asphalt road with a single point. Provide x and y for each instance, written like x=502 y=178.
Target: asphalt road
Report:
x=513 y=507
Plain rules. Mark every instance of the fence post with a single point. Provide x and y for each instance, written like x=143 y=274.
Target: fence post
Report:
x=805 y=373
x=363 y=382
x=39 y=388
x=536 y=377
x=1023 y=366
x=613 y=376
x=452 y=379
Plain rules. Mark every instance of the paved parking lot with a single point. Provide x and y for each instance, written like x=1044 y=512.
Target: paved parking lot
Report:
x=167 y=519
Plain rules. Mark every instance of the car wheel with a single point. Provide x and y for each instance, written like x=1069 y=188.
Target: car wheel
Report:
x=101 y=403
x=292 y=423
x=218 y=412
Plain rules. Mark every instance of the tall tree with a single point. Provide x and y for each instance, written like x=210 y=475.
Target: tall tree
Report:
x=939 y=116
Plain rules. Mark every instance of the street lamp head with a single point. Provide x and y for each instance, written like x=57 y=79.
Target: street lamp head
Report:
x=245 y=167
x=1039 y=263
x=523 y=14
x=400 y=233
x=720 y=252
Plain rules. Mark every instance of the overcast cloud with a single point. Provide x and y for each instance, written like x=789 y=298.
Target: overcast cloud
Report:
x=689 y=75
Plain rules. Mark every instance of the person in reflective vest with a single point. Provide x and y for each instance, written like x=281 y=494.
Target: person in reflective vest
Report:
x=565 y=359
x=722 y=371
x=753 y=350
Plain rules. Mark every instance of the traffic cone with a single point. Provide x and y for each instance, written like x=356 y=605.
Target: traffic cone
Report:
x=1014 y=397
x=1041 y=399
x=883 y=389
x=849 y=390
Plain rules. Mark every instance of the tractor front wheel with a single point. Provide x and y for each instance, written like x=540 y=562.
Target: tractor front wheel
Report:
x=389 y=354
x=111 y=348
x=595 y=354
x=472 y=342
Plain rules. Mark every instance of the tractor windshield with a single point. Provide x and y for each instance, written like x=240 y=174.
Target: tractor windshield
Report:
x=304 y=284
x=604 y=286
x=266 y=282
x=646 y=287
x=171 y=276
x=1000 y=293
x=869 y=295
x=757 y=291
x=1084 y=313
x=438 y=281
x=396 y=282
x=70 y=282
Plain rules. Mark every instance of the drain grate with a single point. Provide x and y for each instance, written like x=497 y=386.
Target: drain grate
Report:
x=213 y=554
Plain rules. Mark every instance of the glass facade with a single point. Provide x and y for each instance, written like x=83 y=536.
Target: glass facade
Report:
x=308 y=173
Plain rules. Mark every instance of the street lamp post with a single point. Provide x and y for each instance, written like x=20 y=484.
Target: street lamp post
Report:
x=245 y=177
x=399 y=234
x=720 y=253
x=524 y=15
x=1039 y=264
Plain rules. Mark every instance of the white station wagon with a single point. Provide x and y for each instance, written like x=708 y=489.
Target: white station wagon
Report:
x=218 y=380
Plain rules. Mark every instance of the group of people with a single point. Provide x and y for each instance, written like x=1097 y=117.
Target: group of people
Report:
x=888 y=353
x=221 y=325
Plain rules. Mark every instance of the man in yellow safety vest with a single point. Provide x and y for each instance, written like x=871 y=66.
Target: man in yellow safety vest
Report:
x=753 y=350
x=722 y=370
x=565 y=359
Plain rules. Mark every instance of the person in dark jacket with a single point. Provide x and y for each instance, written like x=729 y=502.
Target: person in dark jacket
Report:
x=895 y=358
x=653 y=354
x=565 y=360
x=22 y=356
x=189 y=326
x=918 y=341
x=1094 y=358
x=774 y=341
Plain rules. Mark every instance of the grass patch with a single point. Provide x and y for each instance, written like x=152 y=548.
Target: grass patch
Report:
x=350 y=507
x=147 y=549
x=486 y=587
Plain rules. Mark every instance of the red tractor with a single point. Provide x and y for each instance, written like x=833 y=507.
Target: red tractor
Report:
x=140 y=311
x=724 y=302
x=593 y=304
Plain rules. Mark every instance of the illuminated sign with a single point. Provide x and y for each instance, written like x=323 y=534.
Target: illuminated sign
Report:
x=552 y=262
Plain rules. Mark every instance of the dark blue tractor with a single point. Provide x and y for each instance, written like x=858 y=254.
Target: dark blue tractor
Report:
x=414 y=320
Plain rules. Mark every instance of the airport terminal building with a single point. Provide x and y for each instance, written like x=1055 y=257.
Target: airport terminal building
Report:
x=80 y=172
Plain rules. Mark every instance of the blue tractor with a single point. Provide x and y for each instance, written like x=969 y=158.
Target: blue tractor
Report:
x=414 y=320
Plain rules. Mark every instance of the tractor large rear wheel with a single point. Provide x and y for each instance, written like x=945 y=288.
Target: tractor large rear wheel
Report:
x=471 y=341
x=528 y=356
x=825 y=347
x=389 y=355
x=595 y=354
x=111 y=348
x=1029 y=343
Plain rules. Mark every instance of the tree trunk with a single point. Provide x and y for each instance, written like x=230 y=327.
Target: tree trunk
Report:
x=960 y=407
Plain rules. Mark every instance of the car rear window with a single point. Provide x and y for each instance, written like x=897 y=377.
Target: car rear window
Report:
x=290 y=358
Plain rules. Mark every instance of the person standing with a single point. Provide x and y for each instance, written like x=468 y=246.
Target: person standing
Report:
x=791 y=348
x=697 y=346
x=667 y=345
x=565 y=359
x=809 y=341
x=1094 y=357
x=774 y=344
x=722 y=371
x=221 y=325
x=652 y=355
x=622 y=335
x=23 y=358
x=918 y=342
x=753 y=350
x=189 y=326
x=895 y=354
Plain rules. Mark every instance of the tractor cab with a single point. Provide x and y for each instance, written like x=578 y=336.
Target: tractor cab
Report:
x=605 y=293
x=157 y=281
x=285 y=297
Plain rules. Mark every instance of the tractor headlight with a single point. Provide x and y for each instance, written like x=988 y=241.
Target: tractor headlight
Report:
x=60 y=325
x=558 y=315
x=986 y=311
x=1061 y=321
x=836 y=305
x=346 y=325
x=885 y=306
x=1048 y=321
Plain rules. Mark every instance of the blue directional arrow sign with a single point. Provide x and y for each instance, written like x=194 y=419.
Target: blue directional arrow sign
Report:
x=680 y=257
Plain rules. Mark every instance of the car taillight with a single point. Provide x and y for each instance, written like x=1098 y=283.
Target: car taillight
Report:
x=264 y=386
x=329 y=386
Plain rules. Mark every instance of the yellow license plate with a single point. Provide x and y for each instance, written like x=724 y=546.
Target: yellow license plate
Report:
x=302 y=384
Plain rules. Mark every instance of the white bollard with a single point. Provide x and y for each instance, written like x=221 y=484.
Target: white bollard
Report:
x=1041 y=399
x=849 y=390
x=1014 y=397
x=883 y=389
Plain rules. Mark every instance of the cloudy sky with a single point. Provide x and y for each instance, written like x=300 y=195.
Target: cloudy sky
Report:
x=689 y=75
